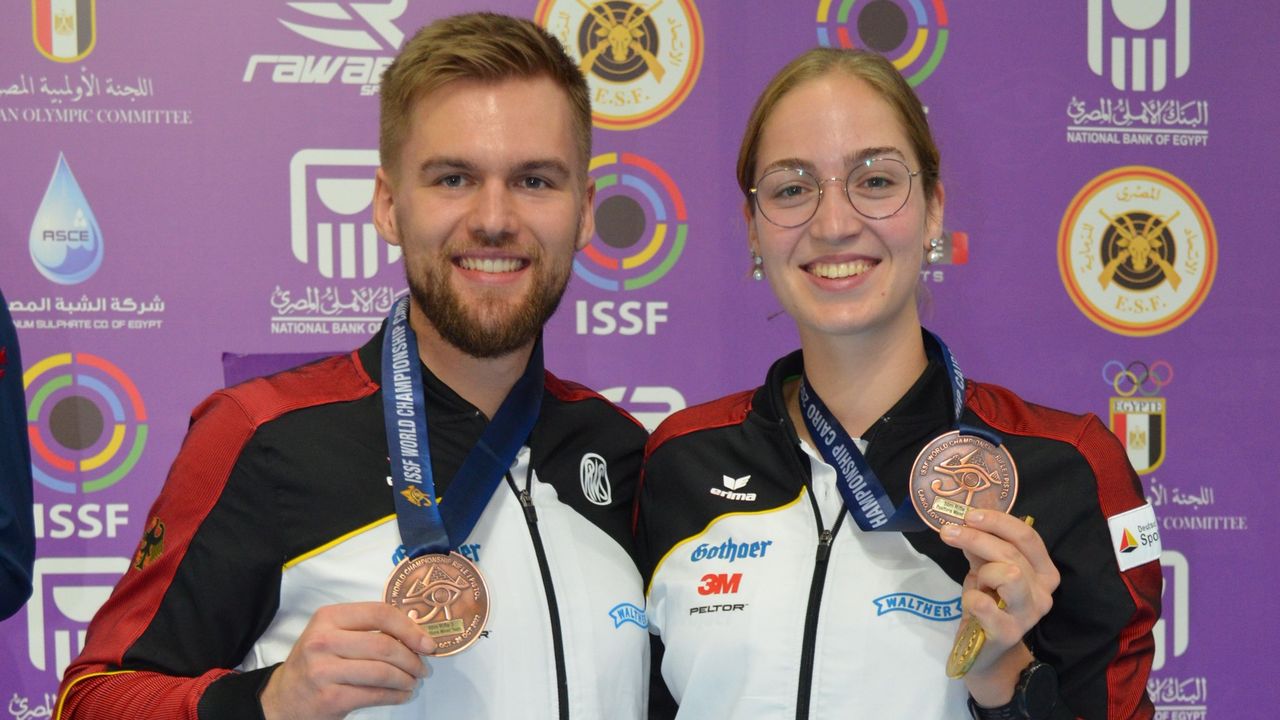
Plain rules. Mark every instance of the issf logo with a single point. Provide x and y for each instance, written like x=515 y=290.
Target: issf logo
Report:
x=86 y=422
x=642 y=226
x=912 y=34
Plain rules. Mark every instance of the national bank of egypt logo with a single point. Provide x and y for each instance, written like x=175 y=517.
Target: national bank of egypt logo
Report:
x=330 y=200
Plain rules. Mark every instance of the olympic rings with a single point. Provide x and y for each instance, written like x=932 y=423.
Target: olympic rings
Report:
x=1137 y=377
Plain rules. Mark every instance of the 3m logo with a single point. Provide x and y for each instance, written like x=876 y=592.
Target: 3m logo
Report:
x=720 y=583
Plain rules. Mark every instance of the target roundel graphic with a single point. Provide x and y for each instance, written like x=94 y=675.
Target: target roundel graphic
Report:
x=642 y=224
x=912 y=34
x=85 y=420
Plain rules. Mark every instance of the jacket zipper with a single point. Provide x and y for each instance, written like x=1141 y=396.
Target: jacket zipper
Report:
x=557 y=641
x=823 y=553
x=811 y=622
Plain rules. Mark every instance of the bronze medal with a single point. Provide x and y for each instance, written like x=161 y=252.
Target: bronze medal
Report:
x=957 y=473
x=445 y=595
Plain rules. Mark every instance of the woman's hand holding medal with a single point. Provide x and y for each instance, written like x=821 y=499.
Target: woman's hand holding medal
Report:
x=350 y=656
x=1008 y=590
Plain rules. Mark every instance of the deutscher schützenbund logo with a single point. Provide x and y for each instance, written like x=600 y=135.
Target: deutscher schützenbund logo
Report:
x=1137 y=251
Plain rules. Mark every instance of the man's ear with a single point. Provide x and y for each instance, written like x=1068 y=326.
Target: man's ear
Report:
x=384 y=210
x=587 y=219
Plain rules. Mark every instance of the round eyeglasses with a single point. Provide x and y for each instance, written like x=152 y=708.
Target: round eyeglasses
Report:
x=877 y=188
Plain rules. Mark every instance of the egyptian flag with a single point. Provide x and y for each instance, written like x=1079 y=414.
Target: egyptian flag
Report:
x=17 y=528
x=64 y=29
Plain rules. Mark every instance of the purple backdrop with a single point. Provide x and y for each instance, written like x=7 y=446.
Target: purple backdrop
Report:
x=186 y=181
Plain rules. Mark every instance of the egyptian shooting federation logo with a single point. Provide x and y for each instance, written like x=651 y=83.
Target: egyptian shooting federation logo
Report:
x=912 y=34
x=64 y=30
x=86 y=423
x=1137 y=251
x=1137 y=415
x=641 y=59
x=641 y=224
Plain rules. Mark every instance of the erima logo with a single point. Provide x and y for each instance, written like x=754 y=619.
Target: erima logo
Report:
x=593 y=473
x=734 y=484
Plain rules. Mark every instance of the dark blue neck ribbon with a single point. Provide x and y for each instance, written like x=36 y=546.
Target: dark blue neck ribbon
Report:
x=863 y=493
x=426 y=525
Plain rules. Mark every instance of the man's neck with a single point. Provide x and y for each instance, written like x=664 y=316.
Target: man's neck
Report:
x=483 y=382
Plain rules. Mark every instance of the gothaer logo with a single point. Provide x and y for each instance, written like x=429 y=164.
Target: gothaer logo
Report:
x=641 y=59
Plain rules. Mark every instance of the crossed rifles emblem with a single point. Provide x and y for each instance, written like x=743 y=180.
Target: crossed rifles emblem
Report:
x=1139 y=248
x=620 y=36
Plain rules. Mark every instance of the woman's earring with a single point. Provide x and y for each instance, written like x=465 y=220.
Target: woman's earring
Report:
x=757 y=267
x=936 y=250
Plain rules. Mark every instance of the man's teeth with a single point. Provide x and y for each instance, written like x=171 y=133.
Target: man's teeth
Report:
x=490 y=265
x=836 y=271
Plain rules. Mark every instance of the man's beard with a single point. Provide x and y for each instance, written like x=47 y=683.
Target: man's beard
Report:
x=489 y=329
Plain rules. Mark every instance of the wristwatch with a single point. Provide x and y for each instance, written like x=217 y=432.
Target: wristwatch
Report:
x=1034 y=697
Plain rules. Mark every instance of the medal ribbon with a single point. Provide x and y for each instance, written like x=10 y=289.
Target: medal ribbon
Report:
x=864 y=495
x=425 y=526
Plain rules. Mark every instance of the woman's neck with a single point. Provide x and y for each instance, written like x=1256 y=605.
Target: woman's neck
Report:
x=858 y=378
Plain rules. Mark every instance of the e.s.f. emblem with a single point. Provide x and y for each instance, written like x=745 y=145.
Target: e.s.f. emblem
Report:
x=641 y=59
x=1137 y=251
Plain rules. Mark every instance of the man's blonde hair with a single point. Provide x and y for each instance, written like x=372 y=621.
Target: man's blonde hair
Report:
x=476 y=46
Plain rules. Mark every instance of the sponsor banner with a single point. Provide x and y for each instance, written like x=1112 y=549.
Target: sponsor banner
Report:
x=641 y=59
x=1137 y=251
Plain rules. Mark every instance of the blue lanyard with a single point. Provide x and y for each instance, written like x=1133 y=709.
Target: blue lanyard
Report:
x=863 y=493
x=426 y=527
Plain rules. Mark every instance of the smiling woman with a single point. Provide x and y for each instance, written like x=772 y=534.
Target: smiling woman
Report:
x=873 y=420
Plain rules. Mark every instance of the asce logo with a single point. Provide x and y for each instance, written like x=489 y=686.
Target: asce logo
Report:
x=1140 y=48
x=330 y=192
